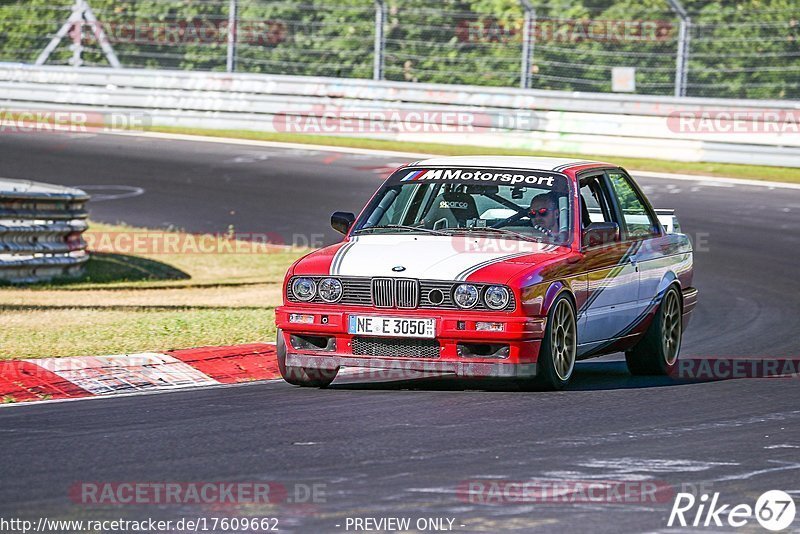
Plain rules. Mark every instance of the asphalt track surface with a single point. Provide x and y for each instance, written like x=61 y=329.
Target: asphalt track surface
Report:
x=402 y=448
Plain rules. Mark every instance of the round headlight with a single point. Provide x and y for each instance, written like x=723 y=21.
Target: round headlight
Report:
x=496 y=297
x=304 y=288
x=330 y=289
x=466 y=296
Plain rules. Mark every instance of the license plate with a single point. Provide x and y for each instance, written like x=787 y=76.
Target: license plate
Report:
x=371 y=325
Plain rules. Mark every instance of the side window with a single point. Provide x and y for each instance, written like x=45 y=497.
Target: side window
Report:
x=594 y=206
x=638 y=222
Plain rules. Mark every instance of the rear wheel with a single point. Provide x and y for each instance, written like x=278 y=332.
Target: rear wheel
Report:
x=558 y=350
x=302 y=376
x=657 y=352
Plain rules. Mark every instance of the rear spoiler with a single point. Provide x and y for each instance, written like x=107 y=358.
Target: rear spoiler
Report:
x=669 y=220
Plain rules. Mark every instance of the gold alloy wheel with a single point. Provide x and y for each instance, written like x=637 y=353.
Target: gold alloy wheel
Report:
x=671 y=327
x=563 y=340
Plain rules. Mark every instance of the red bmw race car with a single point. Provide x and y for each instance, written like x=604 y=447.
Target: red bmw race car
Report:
x=507 y=267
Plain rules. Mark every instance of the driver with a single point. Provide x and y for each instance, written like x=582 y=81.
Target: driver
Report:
x=545 y=215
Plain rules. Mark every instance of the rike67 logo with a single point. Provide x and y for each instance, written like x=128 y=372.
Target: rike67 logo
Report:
x=774 y=510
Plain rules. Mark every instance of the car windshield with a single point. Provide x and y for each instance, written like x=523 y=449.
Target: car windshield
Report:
x=538 y=211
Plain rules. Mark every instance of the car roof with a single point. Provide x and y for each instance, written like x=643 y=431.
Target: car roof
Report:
x=509 y=162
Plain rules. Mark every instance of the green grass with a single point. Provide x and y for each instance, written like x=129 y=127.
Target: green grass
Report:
x=146 y=302
x=751 y=172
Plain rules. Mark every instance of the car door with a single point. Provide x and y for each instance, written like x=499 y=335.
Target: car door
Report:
x=642 y=229
x=612 y=273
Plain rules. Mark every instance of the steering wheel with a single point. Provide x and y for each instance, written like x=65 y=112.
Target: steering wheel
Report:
x=536 y=228
x=511 y=220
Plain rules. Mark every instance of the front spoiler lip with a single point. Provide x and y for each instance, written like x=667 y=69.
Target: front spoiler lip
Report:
x=463 y=369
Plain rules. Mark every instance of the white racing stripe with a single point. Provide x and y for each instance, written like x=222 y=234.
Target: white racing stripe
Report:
x=426 y=257
x=340 y=254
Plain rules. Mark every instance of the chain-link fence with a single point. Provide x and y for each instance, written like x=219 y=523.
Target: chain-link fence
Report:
x=747 y=49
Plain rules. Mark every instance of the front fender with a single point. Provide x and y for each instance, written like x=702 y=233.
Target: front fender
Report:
x=537 y=299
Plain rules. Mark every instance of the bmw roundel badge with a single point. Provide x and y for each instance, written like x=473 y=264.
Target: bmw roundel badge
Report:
x=398 y=268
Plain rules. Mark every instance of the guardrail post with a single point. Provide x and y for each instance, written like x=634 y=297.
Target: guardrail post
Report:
x=380 y=17
x=682 y=59
x=528 y=41
x=232 y=29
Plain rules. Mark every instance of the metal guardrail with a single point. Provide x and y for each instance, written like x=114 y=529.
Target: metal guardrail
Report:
x=41 y=227
x=586 y=123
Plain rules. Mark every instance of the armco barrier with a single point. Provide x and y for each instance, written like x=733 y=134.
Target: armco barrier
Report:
x=765 y=133
x=41 y=227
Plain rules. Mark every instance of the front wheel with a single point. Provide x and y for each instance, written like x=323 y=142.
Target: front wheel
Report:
x=302 y=376
x=657 y=352
x=558 y=350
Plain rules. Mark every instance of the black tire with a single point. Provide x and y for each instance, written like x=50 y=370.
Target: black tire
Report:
x=559 y=349
x=657 y=352
x=302 y=376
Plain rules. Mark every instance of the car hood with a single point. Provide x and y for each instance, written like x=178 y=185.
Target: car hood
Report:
x=429 y=257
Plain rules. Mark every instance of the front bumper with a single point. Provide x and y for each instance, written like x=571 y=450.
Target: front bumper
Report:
x=521 y=334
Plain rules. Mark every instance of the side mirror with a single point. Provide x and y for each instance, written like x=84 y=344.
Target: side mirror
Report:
x=341 y=221
x=600 y=233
